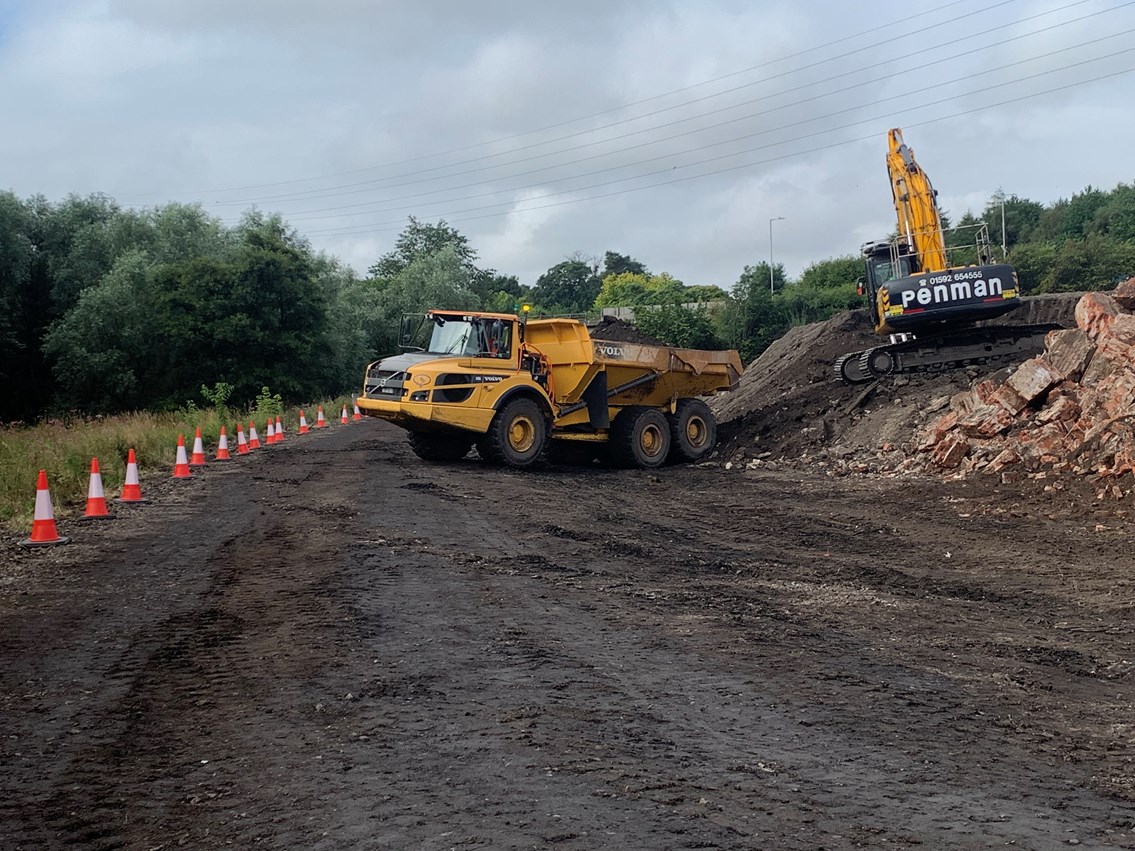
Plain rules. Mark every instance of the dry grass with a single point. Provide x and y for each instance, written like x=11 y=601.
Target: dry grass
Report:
x=65 y=449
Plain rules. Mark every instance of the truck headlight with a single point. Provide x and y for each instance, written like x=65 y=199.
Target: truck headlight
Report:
x=419 y=395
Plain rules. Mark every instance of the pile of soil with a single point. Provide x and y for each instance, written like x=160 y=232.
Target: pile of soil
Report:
x=612 y=328
x=790 y=408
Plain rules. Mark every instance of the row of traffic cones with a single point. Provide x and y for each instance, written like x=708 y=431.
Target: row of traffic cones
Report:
x=44 y=530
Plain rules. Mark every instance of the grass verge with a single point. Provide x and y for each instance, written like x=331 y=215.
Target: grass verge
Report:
x=65 y=449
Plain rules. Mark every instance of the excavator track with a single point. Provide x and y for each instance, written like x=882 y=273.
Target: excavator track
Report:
x=942 y=353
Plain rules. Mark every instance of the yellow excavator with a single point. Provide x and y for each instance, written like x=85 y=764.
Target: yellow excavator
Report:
x=926 y=296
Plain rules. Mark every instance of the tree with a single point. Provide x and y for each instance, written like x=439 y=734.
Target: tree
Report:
x=1021 y=219
x=674 y=325
x=749 y=323
x=1095 y=263
x=569 y=287
x=420 y=240
x=102 y=349
x=628 y=289
x=1116 y=217
x=833 y=273
x=1032 y=260
x=622 y=264
x=438 y=280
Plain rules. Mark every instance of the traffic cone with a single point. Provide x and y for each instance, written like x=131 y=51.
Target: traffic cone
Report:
x=279 y=430
x=319 y=421
x=223 y=447
x=131 y=490
x=343 y=417
x=271 y=429
x=181 y=465
x=253 y=437
x=303 y=423
x=357 y=415
x=241 y=443
x=96 y=496
x=44 y=531
x=197 y=459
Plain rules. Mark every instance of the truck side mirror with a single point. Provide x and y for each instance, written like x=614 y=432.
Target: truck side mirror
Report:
x=409 y=329
x=406 y=331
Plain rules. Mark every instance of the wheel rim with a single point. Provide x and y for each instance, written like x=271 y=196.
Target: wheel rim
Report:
x=651 y=440
x=521 y=434
x=696 y=431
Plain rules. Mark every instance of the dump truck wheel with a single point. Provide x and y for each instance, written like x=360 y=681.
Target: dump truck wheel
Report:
x=439 y=447
x=693 y=430
x=640 y=437
x=517 y=436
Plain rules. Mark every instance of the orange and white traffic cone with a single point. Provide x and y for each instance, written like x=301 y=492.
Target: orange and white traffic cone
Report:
x=241 y=443
x=357 y=415
x=279 y=430
x=271 y=430
x=131 y=490
x=343 y=417
x=320 y=422
x=181 y=465
x=197 y=459
x=44 y=531
x=223 y=447
x=96 y=496
x=303 y=423
x=253 y=437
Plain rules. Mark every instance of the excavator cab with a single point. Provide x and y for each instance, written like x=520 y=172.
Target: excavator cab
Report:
x=885 y=262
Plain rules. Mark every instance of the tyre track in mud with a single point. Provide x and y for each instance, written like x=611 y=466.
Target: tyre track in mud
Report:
x=351 y=648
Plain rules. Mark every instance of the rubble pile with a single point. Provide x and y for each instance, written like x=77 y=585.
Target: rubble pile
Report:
x=1069 y=409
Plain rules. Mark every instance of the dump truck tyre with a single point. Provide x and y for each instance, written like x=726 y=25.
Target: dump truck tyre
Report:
x=444 y=448
x=518 y=434
x=693 y=430
x=640 y=437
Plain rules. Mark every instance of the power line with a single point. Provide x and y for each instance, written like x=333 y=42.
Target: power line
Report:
x=653 y=98
x=308 y=215
x=383 y=227
x=351 y=188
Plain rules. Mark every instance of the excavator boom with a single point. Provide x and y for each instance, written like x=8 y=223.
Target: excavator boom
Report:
x=916 y=203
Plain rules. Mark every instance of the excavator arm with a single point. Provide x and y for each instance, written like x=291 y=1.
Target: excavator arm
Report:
x=916 y=203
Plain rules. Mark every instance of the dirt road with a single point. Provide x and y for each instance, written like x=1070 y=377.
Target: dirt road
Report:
x=333 y=645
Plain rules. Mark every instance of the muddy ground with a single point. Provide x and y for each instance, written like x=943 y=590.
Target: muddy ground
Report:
x=332 y=644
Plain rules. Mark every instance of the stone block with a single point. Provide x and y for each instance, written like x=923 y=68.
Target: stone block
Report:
x=939 y=429
x=1122 y=328
x=986 y=421
x=1004 y=459
x=1095 y=312
x=1108 y=353
x=950 y=453
x=1009 y=399
x=1124 y=295
x=1069 y=351
x=1033 y=379
x=964 y=402
x=1046 y=442
x=1063 y=409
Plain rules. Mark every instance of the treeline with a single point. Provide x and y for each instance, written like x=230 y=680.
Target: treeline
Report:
x=1086 y=242
x=105 y=309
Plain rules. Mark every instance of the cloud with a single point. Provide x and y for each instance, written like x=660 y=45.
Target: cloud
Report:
x=669 y=131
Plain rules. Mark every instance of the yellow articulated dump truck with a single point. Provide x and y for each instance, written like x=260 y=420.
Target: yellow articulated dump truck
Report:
x=512 y=387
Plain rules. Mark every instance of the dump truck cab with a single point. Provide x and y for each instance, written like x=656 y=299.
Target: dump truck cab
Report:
x=510 y=386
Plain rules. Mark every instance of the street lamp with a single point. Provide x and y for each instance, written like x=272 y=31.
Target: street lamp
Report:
x=1004 y=244
x=771 y=286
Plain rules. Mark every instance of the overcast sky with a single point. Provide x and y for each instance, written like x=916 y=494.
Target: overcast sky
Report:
x=670 y=131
